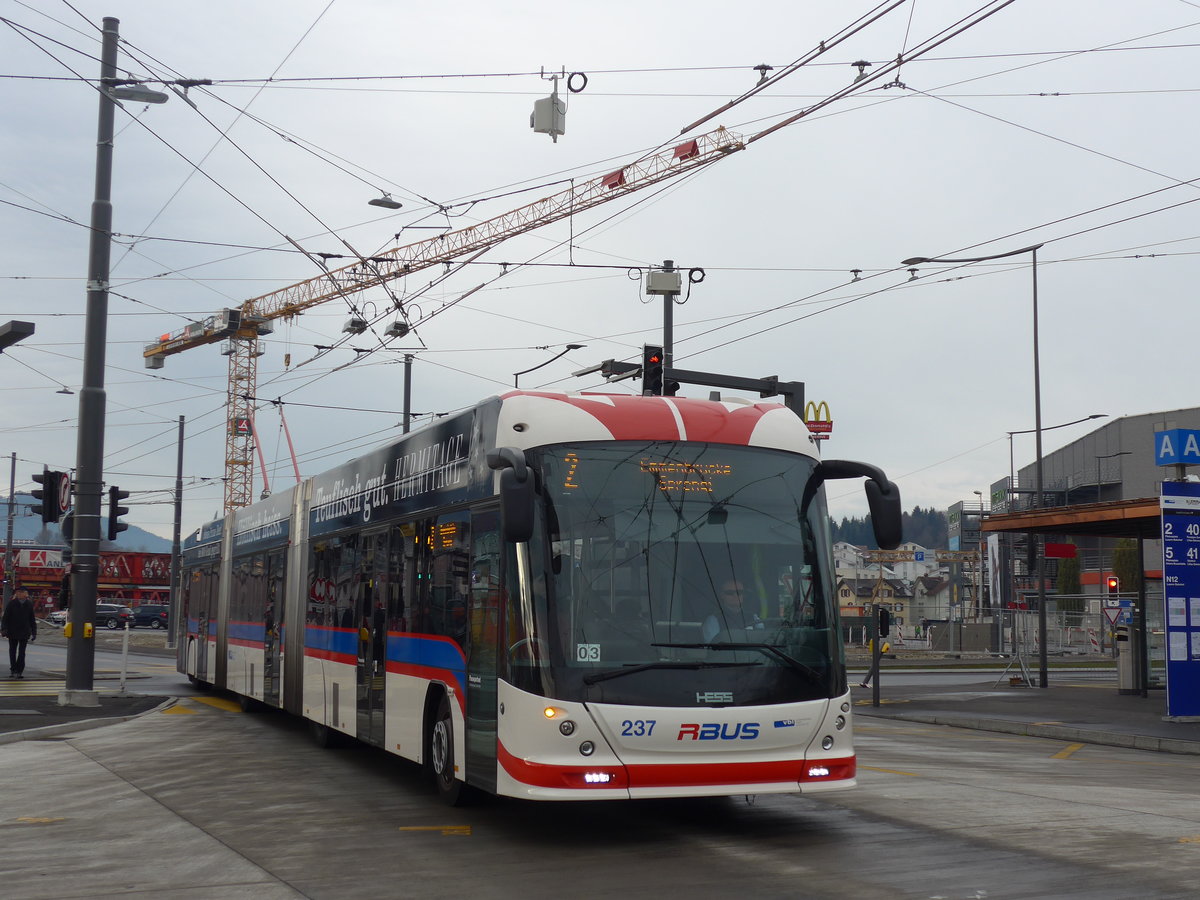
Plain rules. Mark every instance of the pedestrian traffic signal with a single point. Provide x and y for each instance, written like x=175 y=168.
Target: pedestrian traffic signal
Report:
x=652 y=370
x=885 y=621
x=115 y=511
x=48 y=507
x=1114 y=584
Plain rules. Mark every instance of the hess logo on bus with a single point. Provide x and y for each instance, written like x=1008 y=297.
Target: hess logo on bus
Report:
x=718 y=731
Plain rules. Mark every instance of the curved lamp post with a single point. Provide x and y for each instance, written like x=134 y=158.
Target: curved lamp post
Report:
x=1043 y=674
x=564 y=352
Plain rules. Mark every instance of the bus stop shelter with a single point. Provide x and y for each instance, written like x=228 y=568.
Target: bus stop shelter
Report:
x=1140 y=519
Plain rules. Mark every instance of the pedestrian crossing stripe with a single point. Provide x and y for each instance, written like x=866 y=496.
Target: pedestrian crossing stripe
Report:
x=44 y=688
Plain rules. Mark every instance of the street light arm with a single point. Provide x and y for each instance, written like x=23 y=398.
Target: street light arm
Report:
x=1063 y=425
x=563 y=352
x=974 y=259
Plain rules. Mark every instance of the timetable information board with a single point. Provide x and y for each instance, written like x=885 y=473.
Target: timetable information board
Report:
x=1180 y=505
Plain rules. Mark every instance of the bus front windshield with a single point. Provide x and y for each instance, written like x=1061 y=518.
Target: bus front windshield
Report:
x=685 y=574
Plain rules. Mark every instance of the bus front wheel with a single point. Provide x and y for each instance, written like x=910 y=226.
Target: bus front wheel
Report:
x=441 y=755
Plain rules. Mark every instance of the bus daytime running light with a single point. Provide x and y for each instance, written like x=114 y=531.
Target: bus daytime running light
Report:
x=818 y=772
x=597 y=777
x=827 y=742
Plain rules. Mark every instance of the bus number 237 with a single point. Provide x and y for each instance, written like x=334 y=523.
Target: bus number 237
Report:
x=637 y=727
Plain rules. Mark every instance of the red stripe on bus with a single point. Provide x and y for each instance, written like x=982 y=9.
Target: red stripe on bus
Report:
x=698 y=774
x=548 y=776
x=347 y=658
x=429 y=673
x=675 y=775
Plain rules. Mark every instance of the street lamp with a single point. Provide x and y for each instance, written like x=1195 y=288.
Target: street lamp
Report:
x=1011 y=468
x=564 y=352
x=1043 y=670
x=89 y=456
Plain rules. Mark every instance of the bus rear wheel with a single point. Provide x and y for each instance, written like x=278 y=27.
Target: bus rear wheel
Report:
x=441 y=755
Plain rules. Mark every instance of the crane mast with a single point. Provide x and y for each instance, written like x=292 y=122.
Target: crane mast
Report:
x=241 y=327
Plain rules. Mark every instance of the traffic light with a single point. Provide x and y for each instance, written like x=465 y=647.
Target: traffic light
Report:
x=652 y=370
x=115 y=511
x=48 y=507
x=1114 y=584
x=885 y=621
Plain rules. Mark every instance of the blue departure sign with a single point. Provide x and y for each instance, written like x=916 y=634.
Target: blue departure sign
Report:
x=1177 y=446
x=1180 y=504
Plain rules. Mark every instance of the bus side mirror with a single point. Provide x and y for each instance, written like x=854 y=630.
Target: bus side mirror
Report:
x=883 y=497
x=516 y=493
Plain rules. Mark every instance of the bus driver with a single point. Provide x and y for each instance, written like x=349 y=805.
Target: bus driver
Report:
x=732 y=612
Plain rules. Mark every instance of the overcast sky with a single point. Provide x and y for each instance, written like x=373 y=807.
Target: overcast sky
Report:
x=1067 y=122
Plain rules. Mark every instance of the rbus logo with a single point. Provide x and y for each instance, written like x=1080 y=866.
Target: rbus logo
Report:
x=713 y=731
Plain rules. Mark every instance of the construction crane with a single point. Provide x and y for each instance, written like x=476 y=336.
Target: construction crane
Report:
x=241 y=327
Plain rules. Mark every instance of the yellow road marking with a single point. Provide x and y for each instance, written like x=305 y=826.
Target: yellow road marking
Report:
x=178 y=710
x=882 y=700
x=1067 y=752
x=40 y=820
x=890 y=771
x=444 y=829
x=1194 y=839
x=219 y=703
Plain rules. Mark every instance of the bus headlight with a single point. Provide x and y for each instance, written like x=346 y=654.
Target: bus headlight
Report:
x=567 y=727
x=587 y=748
x=827 y=742
x=839 y=723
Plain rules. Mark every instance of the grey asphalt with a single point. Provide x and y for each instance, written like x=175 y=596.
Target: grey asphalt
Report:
x=1072 y=708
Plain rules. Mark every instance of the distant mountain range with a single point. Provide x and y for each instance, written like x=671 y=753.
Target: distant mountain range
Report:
x=28 y=528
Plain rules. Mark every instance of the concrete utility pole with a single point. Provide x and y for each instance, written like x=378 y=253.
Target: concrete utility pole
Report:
x=89 y=479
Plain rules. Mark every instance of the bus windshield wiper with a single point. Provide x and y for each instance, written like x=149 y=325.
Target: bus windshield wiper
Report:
x=770 y=649
x=664 y=664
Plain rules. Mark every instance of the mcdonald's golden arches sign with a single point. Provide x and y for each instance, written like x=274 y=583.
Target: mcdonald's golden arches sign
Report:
x=818 y=420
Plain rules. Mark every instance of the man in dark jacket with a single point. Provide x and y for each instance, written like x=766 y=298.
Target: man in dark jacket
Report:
x=19 y=625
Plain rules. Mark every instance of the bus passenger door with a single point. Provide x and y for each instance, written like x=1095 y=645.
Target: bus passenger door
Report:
x=273 y=613
x=371 y=619
x=482 y=654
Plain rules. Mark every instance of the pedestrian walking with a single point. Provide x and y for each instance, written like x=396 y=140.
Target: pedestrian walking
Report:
x=874 y=669
x=19 y=625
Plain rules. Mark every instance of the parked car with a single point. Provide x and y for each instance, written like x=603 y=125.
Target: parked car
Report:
x=57 y=617
x=151 y=615
x=113 y=615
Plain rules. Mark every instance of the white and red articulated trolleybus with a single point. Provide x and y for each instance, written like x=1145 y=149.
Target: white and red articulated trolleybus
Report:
x=552 y=596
